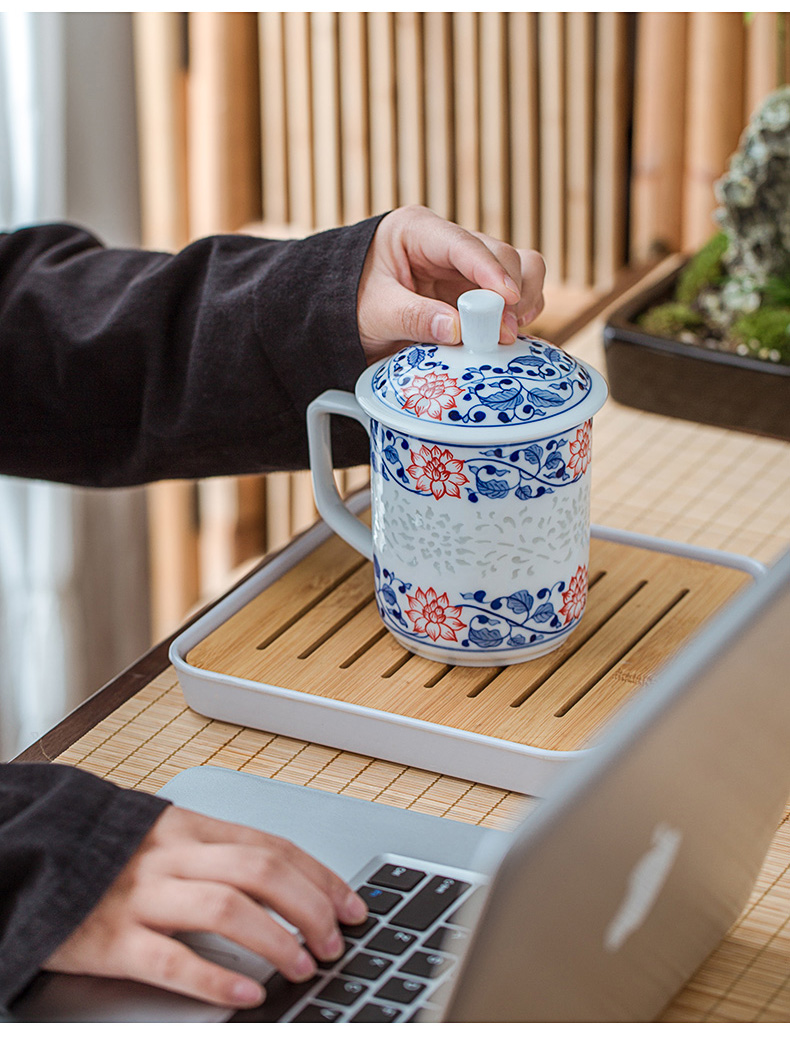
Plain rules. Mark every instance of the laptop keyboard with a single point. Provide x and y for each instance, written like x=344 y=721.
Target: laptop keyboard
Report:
x=397 y=965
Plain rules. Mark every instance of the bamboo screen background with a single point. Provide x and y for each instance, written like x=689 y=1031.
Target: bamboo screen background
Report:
x=594 y=137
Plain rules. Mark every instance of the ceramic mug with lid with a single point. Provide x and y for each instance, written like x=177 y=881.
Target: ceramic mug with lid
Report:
x=480 y=489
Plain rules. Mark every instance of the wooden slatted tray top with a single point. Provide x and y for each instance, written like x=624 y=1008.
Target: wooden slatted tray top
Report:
x=317 y=630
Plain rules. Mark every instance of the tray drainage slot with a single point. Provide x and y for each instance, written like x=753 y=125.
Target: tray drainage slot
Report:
x=445 y=669
x=293 y=618
x=394 y=668
x=476 y=690
x=366 y=645
x=533 y=686
x=347 y=616
x=602 y=671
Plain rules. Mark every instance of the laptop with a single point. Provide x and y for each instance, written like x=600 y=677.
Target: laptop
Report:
x=597 y=906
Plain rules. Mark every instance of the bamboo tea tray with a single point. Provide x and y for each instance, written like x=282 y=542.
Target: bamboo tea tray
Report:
x=299 y=649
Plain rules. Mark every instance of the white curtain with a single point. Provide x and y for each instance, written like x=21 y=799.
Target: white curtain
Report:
x=73 y=573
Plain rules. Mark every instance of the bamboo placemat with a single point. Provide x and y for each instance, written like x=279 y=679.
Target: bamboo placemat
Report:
x=651 y=475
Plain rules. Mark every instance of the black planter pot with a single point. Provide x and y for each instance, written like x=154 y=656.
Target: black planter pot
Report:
x=690 y=382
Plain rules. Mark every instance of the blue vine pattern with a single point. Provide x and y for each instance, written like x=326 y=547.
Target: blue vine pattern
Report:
x=513 y=621
x=527 y=470
x=543 y=381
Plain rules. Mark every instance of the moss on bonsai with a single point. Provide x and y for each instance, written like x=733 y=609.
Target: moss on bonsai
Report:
x=734 y=293
x=705 y=270
x=670 y=319
x=765 y=333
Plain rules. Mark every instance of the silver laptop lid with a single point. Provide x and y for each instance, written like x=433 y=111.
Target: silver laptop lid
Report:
x=620 y=884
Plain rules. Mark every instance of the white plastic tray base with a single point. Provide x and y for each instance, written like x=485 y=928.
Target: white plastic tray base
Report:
x=380 y=734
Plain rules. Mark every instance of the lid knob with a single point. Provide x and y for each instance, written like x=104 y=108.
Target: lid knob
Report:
x=481 y=317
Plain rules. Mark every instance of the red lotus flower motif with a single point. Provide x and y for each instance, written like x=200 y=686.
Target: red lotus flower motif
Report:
x=437 y=471
x=575 y=597
x=432 y=615
x=580 y=450
x=429 y=394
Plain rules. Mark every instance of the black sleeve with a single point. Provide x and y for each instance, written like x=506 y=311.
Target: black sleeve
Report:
x=121 y=366
x=65 y=835
x=125 y=366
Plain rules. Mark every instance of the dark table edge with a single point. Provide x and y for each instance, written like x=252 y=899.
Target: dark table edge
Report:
x=144 y=670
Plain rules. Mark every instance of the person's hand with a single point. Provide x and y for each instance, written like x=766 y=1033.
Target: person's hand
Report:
x=193 y=873
x=417 y=267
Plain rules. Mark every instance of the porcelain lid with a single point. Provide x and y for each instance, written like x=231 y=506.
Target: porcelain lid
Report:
x=482 y=391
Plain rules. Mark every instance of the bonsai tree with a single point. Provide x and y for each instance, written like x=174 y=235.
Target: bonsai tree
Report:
x=734 y=294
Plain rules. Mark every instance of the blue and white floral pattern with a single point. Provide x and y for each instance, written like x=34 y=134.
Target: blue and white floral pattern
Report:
x=479 y=622
x=541 y=382
x=527 y=470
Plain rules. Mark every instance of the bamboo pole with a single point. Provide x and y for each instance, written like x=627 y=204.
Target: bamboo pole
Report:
x=659 y=131
x=716 y=62
x=161 y=72
x=274 y=138
x=410 y=102
x=523 y=62
x=762 y=59
x=580 y=93
x=494 y=136
x=612 y=121
x=224 y=122
x=224 y=194
x=355 y=136
x=439 y=132
x=383 y=147
x=326 y=175
x=551 y=26
x=466 y=79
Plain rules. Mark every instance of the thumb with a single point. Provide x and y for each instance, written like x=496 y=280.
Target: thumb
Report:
x=420 y=319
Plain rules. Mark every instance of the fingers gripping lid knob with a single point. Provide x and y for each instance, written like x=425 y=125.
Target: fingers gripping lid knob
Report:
x=481 y=317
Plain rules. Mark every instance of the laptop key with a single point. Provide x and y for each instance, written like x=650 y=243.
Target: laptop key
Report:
x=401 y=878
x=330 y=964
x=376 y=1014
x=426 y=964
x=390 y=940
x=446 y=938
x=314 y=1014
x=400 y=990
x=426 y=1015
x=281 y=996
x=429 y=903
x=342 y=991
x=359 y=930
x=468 y=906
x=379 y=901
x=365 y=966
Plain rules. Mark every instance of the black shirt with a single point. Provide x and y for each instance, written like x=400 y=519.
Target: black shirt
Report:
x=118 y=367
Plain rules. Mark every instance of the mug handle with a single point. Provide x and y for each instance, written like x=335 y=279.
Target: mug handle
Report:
x=327 y=499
